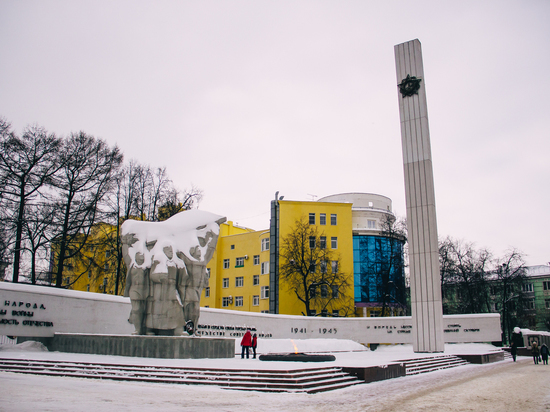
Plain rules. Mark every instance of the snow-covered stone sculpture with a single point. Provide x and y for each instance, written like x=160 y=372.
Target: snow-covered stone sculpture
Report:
x=166 y=264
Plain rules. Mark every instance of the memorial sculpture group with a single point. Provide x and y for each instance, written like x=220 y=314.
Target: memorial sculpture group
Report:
x=166 y=264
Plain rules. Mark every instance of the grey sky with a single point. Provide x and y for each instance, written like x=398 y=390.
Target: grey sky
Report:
x=244 y=98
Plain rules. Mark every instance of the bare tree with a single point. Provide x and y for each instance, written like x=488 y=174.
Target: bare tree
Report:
x=89 y=167
x=509 y=277
x=312 y=271
x=176 y=202
x=27 y=164
x=465 y=274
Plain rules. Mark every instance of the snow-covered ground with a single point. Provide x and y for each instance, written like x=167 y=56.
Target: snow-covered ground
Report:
x=501 y=386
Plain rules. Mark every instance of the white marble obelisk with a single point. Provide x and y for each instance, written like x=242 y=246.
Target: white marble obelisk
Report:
x=427 y=313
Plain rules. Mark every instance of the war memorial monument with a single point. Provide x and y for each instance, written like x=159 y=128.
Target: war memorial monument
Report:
x=166 y=274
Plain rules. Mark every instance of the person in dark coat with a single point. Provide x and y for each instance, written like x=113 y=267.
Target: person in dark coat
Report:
x=544 y=353
x=513 y=350
x=255 y=345
x=535 y=351
x=246 y=343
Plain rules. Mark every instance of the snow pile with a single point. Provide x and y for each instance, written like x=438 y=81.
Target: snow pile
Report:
x=28 y=346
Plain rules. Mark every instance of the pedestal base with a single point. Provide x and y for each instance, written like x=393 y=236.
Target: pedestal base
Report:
x=171 y=347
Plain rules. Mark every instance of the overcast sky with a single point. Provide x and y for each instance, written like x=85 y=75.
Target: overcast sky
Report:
x=246 y=98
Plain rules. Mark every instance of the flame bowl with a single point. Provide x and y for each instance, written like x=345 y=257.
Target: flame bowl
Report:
x=296 y=357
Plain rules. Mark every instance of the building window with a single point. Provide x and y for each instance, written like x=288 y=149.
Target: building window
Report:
x=322 y=218
x=232 y=247
x=312 y=242
x=527 y=287
x=225 y=301
x=106 y=267
x=256 y=300
x=206 y=292
x=335 y=293
x=334 y=242
x=323 y=266
x=312 y=312
x=265 y=244
x=334 y=265
x=225 y=283
x=547 y=303
x=312 y=218
x=324 y=313
x=239 y=262
x=239 y=281
x=312 y=267
x=264 y=292
x=256 y=280
x=312 y=291
x=239 y=301
x=107 y=254
x=333 y=220
x=87 y=288
x=546 y=285
x=226 y=263
x=207 y=273
x=324 y=291
x=256 y=259
x=336 y=313
x=89 y=274
x=530 y=304
x=265 y=268
x=371 y=224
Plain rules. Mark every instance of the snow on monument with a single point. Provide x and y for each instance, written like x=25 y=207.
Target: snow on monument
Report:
x=166 y=264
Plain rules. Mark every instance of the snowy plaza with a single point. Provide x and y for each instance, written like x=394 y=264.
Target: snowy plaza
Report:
x=499 y=386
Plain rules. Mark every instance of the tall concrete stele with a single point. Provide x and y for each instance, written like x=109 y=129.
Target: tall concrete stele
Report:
x=427 y=312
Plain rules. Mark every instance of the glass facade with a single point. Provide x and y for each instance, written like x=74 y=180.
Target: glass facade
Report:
x=378 y=261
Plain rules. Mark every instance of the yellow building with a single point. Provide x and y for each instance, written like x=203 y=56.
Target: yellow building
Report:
x=93 y=266
x=244 y=269
x=239 y=271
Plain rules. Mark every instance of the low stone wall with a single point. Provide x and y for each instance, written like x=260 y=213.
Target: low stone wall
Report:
x=481 y=358
x=170 y=347
x=377 y=373
x=38 y=311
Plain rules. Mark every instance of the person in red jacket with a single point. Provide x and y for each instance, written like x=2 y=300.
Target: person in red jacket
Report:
x=246 y=343
x=254 y=345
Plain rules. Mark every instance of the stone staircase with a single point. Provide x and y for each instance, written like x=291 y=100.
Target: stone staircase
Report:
x=432 y=363
x=299 y=380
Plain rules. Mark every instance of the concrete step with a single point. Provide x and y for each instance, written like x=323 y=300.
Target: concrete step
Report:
x=432 y=363
x=299 y=380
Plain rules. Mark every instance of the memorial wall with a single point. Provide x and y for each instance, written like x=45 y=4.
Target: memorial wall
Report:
x=40 y=311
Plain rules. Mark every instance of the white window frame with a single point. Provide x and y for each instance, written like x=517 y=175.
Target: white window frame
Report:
x=239 y=301
x=256 y=260
x=225 y=283
x=255 y=280
x=226 y=263
x=312 y=218
x=322 y=219
x=265 y=268
x=239 y=262
x=226 y=300
x=264 y=292
x=207 y=292
x=239 y=281
x=334 y=242
x=256 y=300
x=333 y=219
x=265 y=244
